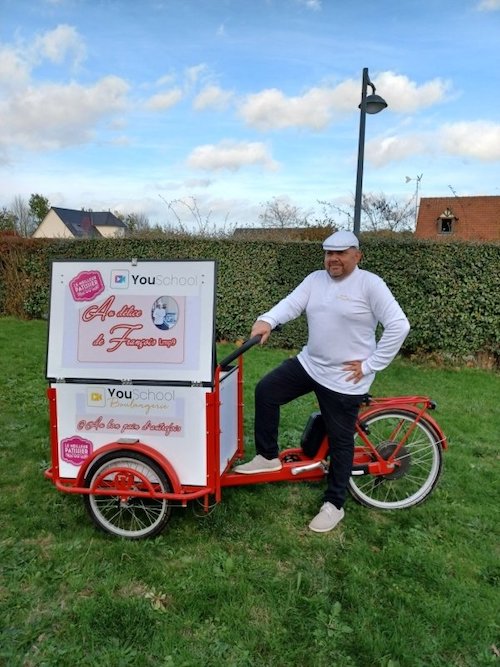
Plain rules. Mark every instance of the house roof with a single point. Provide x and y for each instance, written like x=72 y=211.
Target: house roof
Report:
x=474 y=218
x=87 y=223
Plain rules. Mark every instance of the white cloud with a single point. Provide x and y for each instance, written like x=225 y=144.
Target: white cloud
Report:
x=403 y=95
x=163 y=101
x=478 y=139
x=189 y=183
x=41 y=116
x=198 y=183
x=383 y=150
x=46 y=116
x=165 y=80
x=14 y=70
x=57 y=44
x=191 y=77
x=231 y=155
x=489 y=5
x=317 y=107
x=194 y=73
x=271 y=109
x=212 y=97
x=54 y=115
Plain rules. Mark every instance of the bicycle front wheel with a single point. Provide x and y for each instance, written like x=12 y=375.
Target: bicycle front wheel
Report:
x=418 y=462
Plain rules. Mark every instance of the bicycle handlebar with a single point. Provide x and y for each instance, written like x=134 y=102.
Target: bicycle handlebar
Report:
x=239 y=351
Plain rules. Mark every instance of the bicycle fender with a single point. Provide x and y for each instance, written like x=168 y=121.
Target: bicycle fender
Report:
x=146 y=450
x=426 y=417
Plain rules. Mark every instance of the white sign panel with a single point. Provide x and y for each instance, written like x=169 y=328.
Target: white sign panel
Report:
x=142 y=321
x=172 y=420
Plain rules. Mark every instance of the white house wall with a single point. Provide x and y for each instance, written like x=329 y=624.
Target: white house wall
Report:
x=111 y=232
x=52 y=227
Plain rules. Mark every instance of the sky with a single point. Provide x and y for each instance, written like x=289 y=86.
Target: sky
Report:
x=156 y=106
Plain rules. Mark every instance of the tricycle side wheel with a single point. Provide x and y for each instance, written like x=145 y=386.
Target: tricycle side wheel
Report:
x=419 y=461
x=122 y=516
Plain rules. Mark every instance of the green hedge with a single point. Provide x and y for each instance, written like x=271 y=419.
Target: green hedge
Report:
x=450 y=291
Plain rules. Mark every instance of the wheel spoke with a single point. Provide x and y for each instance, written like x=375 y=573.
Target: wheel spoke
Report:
x=133 y=516
x=412 y=447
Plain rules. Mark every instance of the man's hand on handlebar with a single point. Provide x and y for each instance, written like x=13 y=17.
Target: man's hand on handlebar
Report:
x=261 y=328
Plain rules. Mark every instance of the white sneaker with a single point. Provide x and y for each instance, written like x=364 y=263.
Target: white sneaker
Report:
x=258 y=464
x=327 y=518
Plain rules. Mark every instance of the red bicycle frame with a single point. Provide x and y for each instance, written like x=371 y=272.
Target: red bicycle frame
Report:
x=296 y=466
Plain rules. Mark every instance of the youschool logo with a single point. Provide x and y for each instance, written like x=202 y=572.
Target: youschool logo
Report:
x=166 y=281
x=96 y=397
x=119 y=279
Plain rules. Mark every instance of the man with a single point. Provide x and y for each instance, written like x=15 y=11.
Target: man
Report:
x=343 y=305
x=159 y=314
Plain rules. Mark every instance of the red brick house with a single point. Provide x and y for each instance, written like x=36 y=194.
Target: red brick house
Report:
x=459 y=218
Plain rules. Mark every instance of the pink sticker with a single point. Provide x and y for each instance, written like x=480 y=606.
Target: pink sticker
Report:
x=86 y=285
x=75 y=450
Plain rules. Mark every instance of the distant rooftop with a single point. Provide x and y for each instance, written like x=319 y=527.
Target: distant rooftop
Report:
x=86 y=223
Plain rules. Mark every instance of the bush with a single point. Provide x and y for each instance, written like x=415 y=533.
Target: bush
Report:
x=448 y=290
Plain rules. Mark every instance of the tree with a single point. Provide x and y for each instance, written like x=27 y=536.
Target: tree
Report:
x=39 y=207
x=7 y=221
x=278 y=212
x=187 y=213
x=25 y=223
x=382 y=213
x=137 y=223
x=326 y=218
x=378 y=213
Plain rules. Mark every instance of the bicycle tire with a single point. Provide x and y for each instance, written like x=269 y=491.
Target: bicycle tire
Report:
x=420 y=462
x=136 y=517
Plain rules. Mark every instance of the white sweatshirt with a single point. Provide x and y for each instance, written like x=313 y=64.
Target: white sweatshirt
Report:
x=342 y=316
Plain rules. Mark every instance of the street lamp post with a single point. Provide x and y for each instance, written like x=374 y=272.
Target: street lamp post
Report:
x=369 y=104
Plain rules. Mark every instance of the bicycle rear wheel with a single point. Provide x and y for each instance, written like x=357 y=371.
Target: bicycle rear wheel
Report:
x=418 y=463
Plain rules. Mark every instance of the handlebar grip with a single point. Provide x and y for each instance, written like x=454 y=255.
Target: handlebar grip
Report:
x=239 y=351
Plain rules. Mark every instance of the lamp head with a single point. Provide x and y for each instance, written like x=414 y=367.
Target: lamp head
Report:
x=374 y=103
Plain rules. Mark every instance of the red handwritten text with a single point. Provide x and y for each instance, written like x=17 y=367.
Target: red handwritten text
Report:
x=125 y=338
x=105 y=310
x=167 y=342
x=91 y=424
x=162 y=426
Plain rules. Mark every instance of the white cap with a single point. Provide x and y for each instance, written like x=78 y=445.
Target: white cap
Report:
x=341 y=241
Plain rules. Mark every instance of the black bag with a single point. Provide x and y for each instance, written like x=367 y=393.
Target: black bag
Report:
x=313 y=435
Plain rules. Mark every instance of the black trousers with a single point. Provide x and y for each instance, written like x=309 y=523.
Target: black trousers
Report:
x=289 y=381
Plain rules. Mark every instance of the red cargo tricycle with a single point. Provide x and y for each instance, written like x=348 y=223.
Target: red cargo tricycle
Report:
x=136 y=448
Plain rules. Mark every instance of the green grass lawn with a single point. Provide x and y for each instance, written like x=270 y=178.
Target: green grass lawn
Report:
x=248 y=584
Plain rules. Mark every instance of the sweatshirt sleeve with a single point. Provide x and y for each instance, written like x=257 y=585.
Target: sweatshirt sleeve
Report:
x=291 y=306
x=396 y=326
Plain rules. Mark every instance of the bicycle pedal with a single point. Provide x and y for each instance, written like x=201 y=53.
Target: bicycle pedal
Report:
x=309 y=466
